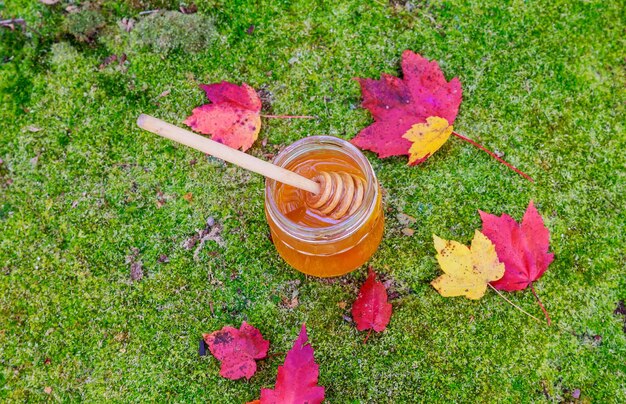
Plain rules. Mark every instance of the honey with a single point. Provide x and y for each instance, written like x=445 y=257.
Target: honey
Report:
x=311 y=242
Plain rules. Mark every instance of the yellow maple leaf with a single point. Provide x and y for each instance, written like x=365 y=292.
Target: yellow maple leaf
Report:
x=427 y=138
x=467 y=271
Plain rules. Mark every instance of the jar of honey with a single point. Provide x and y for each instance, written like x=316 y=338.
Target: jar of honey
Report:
x=311 y=242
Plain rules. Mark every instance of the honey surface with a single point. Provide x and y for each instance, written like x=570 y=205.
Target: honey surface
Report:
x=292 y=201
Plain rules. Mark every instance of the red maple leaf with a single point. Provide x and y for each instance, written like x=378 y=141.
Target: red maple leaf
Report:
x=523 y=248
x=237 y=350
x=233 y=117
x=297 y=377
x=397 y=104
x=371 y=309
x=401 y=105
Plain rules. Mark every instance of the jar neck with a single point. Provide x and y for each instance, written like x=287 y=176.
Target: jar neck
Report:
x=335 y=232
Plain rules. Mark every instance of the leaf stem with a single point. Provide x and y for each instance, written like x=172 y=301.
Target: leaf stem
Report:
x=492 y=154
x=513 y=304
x=545 y=312
x=367 y=337
x=290 y=116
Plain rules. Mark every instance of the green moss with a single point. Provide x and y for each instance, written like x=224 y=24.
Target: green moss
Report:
x=84 y=25
x=543 y=82
x=62 y=54
x=168 y=31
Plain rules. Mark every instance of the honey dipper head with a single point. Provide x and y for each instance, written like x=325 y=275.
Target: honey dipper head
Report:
x=341 y=194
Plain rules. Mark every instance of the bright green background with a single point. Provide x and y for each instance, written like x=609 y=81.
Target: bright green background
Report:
x=543 y=82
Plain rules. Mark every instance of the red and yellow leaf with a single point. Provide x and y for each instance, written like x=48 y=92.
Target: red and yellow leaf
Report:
x=427 y=138
x=233 y=117
x=398 y=104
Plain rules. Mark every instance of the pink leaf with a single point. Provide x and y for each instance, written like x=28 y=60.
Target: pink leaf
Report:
x=297 y=377
x=397 y=104
x=522 y=248
x=233 y=117
x=237 y=350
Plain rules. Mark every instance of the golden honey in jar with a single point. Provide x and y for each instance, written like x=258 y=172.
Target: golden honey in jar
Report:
x=309 y=241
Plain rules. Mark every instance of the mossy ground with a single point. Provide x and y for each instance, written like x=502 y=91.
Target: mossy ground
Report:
x=543 y=82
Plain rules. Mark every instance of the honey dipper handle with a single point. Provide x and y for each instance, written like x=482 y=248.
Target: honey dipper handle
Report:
x=215 y=149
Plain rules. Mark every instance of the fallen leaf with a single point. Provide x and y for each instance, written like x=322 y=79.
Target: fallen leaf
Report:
x=467 y=271
x=297 y=378
x=427 y=138
x=107 y=61
x=127 y=24
x=163 y=259
x=136 y=267
x=342 y=305
x=237 y=350
x=233 y=118
x=188 y=197
x=290 y=303
x=190 y=9
x=398 y=104
x=371 y=310
x=211 y=232
x=405 y=220
x=33 y=128
x=165 y=93
x=620 y=309
x=408 y=232
x=202 y=347
x=136 y=271
x=522 y=248
x=49 y=2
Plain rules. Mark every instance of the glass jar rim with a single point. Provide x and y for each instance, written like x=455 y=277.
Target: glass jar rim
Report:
x=337 y=231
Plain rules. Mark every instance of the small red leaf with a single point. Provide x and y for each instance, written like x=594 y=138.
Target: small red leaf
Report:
x=237 y=350
x=523 y=248
x=397 y=104
x=232 y=118
x=297 y=377
x=370 y=309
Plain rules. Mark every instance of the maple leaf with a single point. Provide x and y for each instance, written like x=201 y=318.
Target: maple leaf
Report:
x=371 y=310
x=467 y=271
x=233 y=118
x=237 y=350
x=523 y=248
x=297 y=378
x=398 y=104
x=427 y=138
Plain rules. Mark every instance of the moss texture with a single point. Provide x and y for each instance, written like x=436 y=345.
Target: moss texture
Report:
x=81 y=187
x=167 y=31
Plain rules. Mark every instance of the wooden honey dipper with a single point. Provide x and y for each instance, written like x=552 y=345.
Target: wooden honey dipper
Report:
x=333 y=194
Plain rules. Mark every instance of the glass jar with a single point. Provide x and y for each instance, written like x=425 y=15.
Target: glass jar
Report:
x=320 y=246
